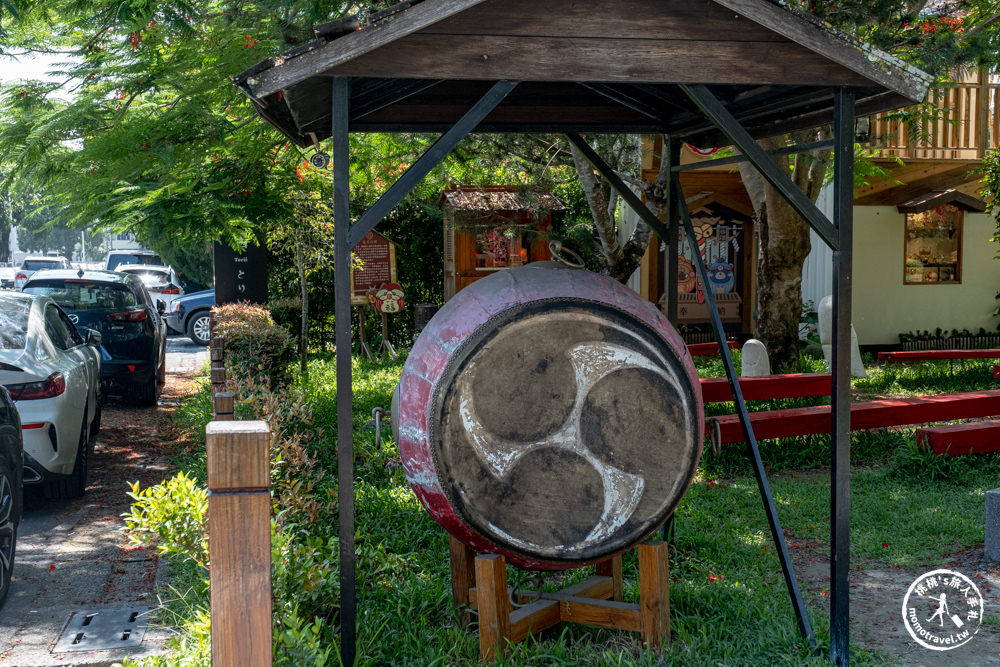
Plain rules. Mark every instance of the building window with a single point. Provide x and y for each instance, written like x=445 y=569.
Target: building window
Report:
x=933 y=246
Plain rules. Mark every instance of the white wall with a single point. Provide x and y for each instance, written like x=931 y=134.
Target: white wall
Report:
x=884 y=306
x=817 y=271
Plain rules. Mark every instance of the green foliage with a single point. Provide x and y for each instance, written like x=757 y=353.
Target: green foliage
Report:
x=171 y=515
x=255 y=345
x=725 y=572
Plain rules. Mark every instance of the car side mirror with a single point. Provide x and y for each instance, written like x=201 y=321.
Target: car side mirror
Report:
x=161 y=306
x=94 y=338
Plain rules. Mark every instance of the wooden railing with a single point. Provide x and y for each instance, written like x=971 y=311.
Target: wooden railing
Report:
x=966 y=123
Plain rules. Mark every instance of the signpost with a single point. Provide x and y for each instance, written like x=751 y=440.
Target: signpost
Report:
x=378 y=268
x=240 y=277
x=378 y=259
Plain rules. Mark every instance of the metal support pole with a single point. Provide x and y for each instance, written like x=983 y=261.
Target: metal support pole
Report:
x=672 y=152
x=787 y=567
x=716 y=112
x=840 y=437
x=430 y=159
x=342 y=322
x=619 y=186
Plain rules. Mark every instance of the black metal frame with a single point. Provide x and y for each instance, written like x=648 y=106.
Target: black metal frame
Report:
x=837 y=235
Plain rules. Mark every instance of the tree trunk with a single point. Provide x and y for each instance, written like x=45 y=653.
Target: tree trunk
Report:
x=783 y=244
x=621 y=261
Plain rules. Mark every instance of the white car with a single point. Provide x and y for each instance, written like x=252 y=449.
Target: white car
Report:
x=37 y=263
x=54 y=377
x=161 y=282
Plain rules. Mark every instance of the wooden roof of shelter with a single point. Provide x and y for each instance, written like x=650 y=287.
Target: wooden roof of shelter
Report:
x=937 y=198
x=583 y=66
x=499 y=198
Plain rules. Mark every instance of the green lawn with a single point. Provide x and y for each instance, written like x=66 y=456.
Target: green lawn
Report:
x=729 y=603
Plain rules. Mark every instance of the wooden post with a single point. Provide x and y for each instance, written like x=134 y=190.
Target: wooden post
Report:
x=613 y=568
x=239 y=519
x=493 y=604
x=463 y=577
x=217 y=354
x=223 y=404
x=654 y=594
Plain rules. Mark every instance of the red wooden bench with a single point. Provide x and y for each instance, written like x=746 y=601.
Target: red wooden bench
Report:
x=923 y=355
x=703 y=349
x=864 y=415
x=765 y=387
x=958 y=439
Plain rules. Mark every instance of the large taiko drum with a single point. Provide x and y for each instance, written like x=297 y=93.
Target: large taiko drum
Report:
x=549 y=414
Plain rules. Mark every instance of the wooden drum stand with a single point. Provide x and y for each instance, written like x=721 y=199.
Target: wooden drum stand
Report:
x=480 y=582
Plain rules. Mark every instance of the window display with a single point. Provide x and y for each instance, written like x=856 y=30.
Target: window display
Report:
x=933 y=245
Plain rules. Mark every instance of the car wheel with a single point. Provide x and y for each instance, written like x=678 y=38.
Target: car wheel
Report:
x=10 y=516
x=199 y=328
x=146 y=394
x=74 y=485
x=95 y=426
x=161 y=371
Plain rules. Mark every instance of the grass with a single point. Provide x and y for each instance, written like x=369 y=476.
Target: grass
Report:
x=729 y=604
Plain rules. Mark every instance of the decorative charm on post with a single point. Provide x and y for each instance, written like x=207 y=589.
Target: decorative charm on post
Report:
x=388 y=298
x=239 y=521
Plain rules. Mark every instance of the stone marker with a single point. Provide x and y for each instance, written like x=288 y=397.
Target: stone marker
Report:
x=993 y=526
x=755 y=361
x=825 y=313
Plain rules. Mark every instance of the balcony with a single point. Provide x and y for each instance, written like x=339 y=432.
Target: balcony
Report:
x=966 y=123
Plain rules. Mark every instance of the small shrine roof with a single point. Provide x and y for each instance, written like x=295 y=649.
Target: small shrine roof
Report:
x=499 y=198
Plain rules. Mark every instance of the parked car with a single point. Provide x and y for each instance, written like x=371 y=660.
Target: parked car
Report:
x=37 y=263
x=161 y=281
x=8 y=278
x=134 y=336
x=53 y=374
x=11 y=473
x=115 y=258
x=191 y=314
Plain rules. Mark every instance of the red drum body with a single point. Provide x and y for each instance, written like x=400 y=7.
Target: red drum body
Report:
x=551 y=415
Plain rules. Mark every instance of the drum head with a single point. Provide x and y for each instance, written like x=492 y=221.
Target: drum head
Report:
x=565 y=430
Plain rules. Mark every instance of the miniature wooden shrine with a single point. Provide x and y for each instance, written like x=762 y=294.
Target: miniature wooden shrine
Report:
x=492 y=228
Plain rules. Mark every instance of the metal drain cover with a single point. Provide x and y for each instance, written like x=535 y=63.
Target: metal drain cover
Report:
x=103 y=630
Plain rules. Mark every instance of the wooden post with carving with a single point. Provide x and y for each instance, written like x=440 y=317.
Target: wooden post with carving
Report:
x=239 y=523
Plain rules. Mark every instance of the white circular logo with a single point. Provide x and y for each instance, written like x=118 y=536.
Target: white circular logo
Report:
x=942 y=610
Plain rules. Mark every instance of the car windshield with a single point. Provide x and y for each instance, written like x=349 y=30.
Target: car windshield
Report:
x=84 y=294
x=151 y=279
x=128 y=258
x=41 y=264
x=14 y=323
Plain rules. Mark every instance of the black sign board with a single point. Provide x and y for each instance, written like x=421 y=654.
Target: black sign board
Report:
x=240 y=276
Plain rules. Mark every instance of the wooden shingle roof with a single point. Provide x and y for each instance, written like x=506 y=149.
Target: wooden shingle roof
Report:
x=584 y=66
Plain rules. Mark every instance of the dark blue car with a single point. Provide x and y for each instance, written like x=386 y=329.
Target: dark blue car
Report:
x=133 y=335
x=191 y=314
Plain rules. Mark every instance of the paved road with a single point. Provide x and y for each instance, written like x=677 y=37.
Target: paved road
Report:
x=71 y=555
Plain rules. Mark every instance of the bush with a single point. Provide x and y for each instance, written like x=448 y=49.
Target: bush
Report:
x=255 y=345
x=287 y=312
